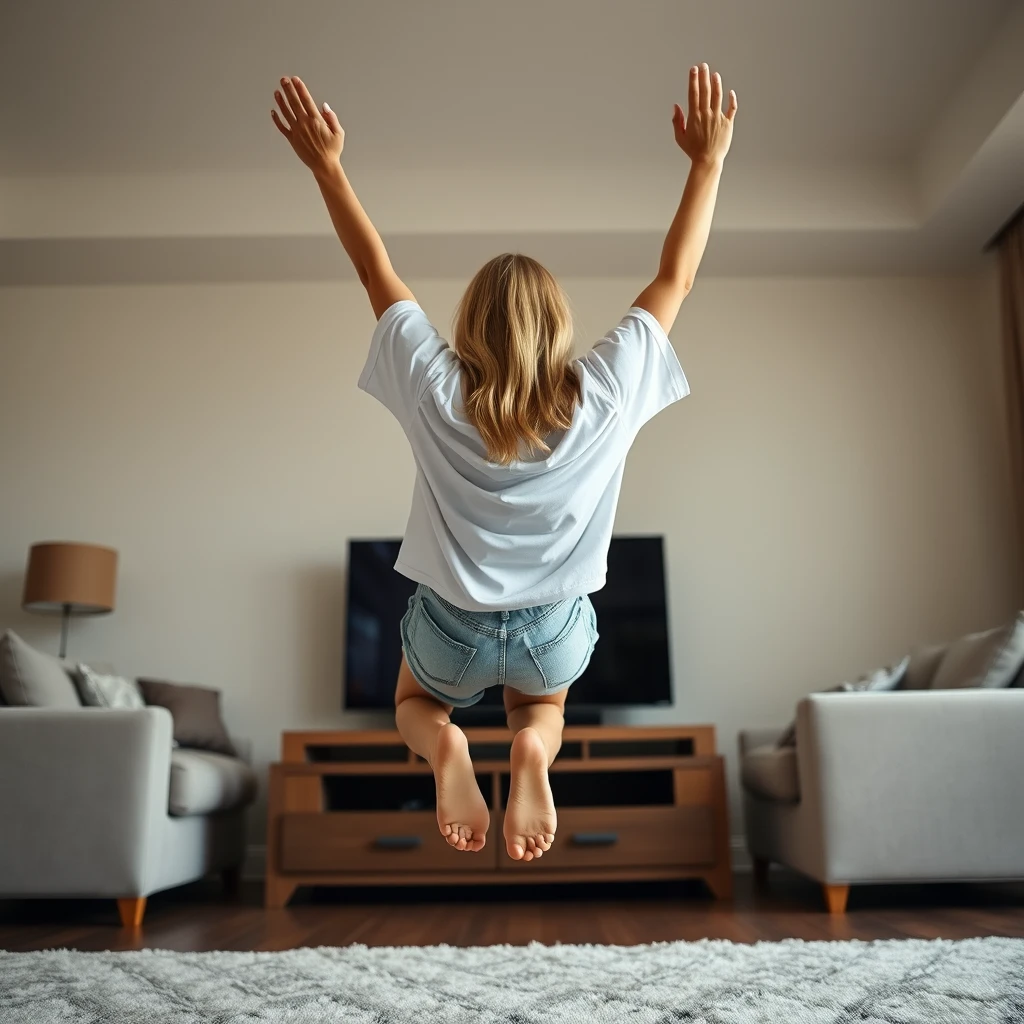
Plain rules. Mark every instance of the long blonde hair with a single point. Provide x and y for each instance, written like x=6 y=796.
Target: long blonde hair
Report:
x=513 y=336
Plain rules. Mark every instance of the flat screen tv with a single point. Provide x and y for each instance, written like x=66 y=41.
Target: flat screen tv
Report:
x=630 y=666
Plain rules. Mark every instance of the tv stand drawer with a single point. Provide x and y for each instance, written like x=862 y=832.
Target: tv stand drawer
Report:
x=605 y=837
x=377 y=841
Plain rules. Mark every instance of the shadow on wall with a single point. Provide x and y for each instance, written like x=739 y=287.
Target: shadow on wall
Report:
x=319 y=606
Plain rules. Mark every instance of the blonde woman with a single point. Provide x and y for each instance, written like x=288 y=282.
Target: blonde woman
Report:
x=519 y=452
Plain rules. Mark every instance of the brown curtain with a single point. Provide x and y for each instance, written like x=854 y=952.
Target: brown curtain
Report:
x=1011 y=256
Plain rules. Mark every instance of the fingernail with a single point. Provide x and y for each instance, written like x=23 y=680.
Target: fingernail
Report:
x=327 y=105
x=693 y=70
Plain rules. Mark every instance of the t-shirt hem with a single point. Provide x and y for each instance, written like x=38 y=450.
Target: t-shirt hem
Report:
x=460 y=600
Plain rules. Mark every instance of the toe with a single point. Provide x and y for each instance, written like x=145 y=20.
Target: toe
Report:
x=516 y=851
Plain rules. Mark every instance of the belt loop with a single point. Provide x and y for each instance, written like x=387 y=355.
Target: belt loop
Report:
x=504 y=616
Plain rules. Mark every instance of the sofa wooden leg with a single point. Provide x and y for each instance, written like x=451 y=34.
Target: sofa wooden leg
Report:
x=132 y=909
x=231 y=878
x=761 y=867
x=836 y=897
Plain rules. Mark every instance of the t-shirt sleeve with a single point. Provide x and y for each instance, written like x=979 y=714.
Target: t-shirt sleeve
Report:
x=406 y=356
x=638 y=367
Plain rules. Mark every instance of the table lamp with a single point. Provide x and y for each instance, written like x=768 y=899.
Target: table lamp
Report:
x=70 y=579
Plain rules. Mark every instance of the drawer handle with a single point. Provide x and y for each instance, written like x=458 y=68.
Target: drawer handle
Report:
x=595 y=838
x=398 y=842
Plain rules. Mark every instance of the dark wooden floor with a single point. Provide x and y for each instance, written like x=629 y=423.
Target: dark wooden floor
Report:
x=200 y=917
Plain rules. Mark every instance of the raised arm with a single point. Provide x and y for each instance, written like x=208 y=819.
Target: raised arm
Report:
x=317 y=137
x=704 y=136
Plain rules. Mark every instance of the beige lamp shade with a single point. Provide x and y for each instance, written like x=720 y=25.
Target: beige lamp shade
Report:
x=76 y=578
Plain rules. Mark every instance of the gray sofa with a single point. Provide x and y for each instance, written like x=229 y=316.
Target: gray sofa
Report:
x=890 y=787
x=97 y=802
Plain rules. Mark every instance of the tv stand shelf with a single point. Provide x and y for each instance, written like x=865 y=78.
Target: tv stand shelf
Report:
x=634 y=802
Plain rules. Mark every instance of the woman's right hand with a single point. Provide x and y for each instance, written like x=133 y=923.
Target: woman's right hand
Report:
x=705 y=133
x=316 y=135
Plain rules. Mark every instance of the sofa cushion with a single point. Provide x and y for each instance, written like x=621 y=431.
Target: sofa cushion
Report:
x=771 y=772
x=196 y=714
x=29 y=678
x=987 y=661
x=203 y=782
x=103 y=690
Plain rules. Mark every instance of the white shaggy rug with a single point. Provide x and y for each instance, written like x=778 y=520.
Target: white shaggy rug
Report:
x=974 y=981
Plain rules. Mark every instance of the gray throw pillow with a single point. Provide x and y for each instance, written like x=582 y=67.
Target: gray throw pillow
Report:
x=881 y=680
x=196 y=713
x=986 y=661
x=31 y=679
x=924 y=663
x=102 y=690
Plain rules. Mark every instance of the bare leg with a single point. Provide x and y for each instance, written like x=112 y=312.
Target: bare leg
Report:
x=462 y=814
x=530 y=819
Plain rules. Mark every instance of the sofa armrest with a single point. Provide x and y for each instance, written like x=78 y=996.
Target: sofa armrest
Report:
x=83 y=800
x=243 y=748
x=751 y=739
x=917 y=784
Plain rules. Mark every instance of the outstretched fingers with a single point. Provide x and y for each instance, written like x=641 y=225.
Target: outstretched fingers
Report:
x=694 y=99
x=733 y=105
x=305 y=98
x=716 y=94
x=705 y=87
x=281 y=126
x=285 y=106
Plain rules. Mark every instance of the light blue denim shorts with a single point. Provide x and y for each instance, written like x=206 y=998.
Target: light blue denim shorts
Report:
x=455 y=655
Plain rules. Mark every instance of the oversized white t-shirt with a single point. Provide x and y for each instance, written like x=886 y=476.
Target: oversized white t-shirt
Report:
x=488 y=537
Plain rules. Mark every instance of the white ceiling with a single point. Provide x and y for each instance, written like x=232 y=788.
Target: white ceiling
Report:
x=136 y=144
x=129 y=86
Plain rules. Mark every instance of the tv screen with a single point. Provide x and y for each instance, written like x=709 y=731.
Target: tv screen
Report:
x=630 y=665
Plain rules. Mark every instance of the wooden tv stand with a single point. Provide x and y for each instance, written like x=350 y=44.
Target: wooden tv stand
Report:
x=357 y=808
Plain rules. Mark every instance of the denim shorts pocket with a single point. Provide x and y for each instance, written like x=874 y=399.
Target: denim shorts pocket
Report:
x=562 y=659
x=437 y=655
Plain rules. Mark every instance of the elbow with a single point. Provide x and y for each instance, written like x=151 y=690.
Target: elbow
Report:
x=680 y=281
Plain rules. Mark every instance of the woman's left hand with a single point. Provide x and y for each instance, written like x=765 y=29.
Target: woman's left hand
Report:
x=316 y=135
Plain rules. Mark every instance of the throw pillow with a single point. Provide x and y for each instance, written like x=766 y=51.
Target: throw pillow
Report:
x=987 y=661
x=99 y=690
x=196 y=713
x=924 y=663
x=881 y=680
x=29 y=678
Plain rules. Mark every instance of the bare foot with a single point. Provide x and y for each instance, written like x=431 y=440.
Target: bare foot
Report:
x=462 y=812
x=530 y=819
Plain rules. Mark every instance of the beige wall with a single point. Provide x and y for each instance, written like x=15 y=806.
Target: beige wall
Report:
x=832 y=493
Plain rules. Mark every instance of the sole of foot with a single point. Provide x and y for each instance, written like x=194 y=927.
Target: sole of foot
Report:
x=462 y=814
x=530 y=819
